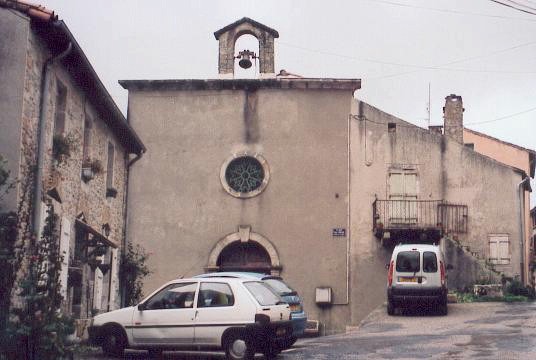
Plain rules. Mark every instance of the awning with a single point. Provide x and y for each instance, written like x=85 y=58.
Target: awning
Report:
x=97 y=235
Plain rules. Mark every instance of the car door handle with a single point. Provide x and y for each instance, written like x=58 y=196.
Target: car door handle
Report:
x=195 y=314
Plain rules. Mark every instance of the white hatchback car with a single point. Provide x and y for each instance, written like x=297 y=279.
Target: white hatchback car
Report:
x=417 y=274
x=241 y=316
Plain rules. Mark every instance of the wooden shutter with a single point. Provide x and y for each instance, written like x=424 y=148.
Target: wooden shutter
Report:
x=499 y=249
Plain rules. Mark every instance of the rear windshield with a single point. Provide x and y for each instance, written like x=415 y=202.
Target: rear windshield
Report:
x=280 y=287
x=408 y=261
x=262 y=293
x=429 y=262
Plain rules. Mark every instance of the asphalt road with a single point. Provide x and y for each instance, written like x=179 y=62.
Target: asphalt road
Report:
x=470 y=331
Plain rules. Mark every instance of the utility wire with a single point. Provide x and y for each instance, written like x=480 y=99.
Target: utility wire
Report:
x=514 y=5
x=503 y=117
x=450 y=11
x=423 y=67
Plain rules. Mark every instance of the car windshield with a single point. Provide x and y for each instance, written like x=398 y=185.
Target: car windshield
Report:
x=264 y=295
x=279 y=286
x=408 y=261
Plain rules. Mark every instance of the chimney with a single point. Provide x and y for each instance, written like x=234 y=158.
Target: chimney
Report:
x=453 y=117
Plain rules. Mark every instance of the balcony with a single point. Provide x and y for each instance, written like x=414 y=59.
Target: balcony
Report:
x=435 y=216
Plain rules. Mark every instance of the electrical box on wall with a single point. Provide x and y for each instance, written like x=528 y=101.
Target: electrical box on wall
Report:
x=323 y=296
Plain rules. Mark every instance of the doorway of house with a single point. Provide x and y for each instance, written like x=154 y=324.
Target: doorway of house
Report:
x=245 y=256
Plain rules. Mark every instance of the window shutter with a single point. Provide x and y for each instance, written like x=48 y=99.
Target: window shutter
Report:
x=410 y=181
x=396 y=184
x=504 y=253
x=493 y=250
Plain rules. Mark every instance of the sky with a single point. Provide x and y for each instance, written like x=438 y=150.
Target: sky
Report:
x=405 y=51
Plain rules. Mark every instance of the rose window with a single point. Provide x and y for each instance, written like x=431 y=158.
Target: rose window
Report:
x=244 y=174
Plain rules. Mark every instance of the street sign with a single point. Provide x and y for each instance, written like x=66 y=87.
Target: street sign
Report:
x=338 y=232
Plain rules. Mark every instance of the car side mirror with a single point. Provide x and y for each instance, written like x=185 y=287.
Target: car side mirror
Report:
x=141 y=307
x=450 y=267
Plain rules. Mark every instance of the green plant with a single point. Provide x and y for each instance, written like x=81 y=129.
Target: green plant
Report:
x=62 y=145
x=132 y=271
x=37 y=329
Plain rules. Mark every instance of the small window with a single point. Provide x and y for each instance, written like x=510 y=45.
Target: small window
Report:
x=408 y=261
x=215 y=295
x=470 y=146
x=262 y=293
x=87 y=139
x=110 y=167
x=59 y=112
x=429 y=262
x=391 y=127
x=174 y=296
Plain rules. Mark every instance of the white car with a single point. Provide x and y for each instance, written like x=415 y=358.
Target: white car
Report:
x=417 y=274
x=240 y=316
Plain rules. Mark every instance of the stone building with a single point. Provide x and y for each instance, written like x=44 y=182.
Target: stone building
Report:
x=65 y=138
x=532 y=263
x=294 y=176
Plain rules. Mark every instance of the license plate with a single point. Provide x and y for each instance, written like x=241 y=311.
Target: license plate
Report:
x=280 y=331
x=407 y=279
x=295 y=307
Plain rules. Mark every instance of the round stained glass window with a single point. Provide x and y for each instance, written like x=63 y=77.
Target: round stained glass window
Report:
x=244 y=174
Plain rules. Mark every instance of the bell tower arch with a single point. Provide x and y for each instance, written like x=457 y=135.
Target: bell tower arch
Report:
x=227 y=37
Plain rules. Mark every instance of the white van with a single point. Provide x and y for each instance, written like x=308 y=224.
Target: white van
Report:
x=417 y=274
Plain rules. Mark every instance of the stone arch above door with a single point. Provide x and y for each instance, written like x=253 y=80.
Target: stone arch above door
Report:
x=244 y=235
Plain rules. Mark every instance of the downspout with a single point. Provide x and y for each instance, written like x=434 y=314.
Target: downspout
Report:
x=41 y=142
x=521 y=194
x=125 y=217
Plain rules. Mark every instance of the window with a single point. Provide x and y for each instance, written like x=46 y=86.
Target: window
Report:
x=110 y=167
x=262 y=293
x=429 y=262
x=59 y=112
x=215 y=295
x=408 y=261
x=499 y=249
x=245 y=176
x=87 y=139
x=174 y=296
x=391 y=127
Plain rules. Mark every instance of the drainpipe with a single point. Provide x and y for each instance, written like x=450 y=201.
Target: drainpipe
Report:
x=125 y=216
x=41 y=141
x=521 y=194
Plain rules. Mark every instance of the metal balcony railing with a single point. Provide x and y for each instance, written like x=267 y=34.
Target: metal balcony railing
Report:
x=419 y=214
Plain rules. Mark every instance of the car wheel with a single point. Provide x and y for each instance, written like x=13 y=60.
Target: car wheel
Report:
x=114 y=342
x=390 y=308
x=238 y=348
x=155 y=353
x=286 y=344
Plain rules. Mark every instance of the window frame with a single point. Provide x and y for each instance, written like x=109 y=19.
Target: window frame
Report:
x=231 y=303
x=495 y=239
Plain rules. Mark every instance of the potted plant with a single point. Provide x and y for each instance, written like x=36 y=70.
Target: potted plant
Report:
x=90 y=168
x=62 y=146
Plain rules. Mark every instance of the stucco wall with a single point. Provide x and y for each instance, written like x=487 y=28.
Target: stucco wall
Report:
x=179 y=210
x=509 y=155
x=446 y=171
x=14 y=29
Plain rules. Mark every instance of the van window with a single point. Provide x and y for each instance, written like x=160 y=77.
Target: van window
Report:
x=408 y=261
x=429 y=262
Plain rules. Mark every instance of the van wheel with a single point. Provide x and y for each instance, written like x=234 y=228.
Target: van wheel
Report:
x=114 y=342
x=238 y=348
x=390 y=308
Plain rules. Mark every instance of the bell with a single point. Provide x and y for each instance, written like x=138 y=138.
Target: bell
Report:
x=245 y=56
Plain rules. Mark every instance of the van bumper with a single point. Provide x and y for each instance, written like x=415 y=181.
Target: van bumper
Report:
x=415 y=295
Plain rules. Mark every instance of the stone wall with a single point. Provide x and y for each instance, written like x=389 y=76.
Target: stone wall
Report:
x=78 y=198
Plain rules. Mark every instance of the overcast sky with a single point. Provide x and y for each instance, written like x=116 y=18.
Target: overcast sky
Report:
x=478 y=49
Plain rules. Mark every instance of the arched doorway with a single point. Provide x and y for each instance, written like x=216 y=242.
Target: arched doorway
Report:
x=248 y=256
x=244 y=250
